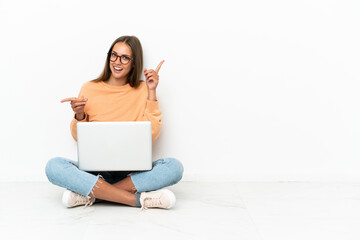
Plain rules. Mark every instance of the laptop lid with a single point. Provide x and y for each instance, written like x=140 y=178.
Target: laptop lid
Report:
x=114 y=146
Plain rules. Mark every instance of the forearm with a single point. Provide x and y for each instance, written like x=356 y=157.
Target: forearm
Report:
x=73 y=124
x=152 y=95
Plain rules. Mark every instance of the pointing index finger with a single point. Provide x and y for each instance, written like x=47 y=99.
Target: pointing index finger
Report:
x=159 y=66
x=68 y=99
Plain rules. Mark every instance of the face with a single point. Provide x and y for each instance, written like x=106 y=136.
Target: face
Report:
x=118 y=69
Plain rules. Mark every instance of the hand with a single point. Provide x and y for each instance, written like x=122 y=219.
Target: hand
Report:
x=77 y=106
x=152 y=76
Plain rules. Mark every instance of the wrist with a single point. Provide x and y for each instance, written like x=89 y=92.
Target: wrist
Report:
x=152 y=95
x=80 y=116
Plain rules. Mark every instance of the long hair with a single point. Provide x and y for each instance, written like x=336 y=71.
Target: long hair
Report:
x=133 y=77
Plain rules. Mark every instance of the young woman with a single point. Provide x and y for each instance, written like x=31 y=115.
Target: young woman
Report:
x=118 y=94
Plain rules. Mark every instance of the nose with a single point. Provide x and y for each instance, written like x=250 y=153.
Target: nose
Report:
x=116 y=61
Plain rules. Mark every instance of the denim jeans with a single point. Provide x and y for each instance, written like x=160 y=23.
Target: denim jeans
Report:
x=65 y=173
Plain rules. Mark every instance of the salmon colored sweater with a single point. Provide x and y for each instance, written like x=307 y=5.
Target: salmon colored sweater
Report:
x=108 y=103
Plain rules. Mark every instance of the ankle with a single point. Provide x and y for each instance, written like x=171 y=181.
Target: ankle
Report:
x=137 y=199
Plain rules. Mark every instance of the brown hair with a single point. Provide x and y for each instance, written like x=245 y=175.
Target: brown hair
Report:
x=137 y=63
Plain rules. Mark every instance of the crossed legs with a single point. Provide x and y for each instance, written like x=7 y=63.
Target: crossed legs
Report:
x=120 y=192
x=65 y=173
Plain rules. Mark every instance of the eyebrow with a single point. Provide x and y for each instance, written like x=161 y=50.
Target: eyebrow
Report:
x=121 y=55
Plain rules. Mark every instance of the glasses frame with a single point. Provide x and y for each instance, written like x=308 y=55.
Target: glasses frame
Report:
x=117 y=56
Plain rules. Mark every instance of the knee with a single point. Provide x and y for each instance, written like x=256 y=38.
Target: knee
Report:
x=175 y=168
x=53 y=167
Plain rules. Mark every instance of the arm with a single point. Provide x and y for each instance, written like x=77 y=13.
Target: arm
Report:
x=152 y=110
x=77 y=105
x=153 y=114
x=73 y=126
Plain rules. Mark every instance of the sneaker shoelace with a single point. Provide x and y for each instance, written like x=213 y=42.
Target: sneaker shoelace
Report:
x=89 y=203
x=81 y=200
x=151 y=202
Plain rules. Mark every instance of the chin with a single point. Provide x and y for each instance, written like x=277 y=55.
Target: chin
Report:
x=117 y=75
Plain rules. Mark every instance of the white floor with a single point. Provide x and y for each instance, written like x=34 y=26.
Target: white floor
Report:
x=231 y=210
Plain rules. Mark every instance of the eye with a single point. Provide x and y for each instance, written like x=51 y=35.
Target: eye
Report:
x=113 y=54
x=126 y=58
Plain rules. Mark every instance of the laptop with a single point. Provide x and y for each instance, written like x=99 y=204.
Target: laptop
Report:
x=114 y=146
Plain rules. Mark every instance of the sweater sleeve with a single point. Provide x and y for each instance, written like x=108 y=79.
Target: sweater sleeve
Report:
x=153 y=114
x=73 y=126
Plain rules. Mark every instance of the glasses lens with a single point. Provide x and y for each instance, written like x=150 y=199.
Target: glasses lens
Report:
x=124 y=59
x=113 y=57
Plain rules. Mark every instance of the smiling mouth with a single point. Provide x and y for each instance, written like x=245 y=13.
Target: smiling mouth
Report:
x=117 y=69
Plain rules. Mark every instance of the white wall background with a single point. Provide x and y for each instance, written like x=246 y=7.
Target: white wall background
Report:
x=250 y=90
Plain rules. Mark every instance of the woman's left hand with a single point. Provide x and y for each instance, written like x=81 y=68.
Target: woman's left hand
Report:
x=152 y=76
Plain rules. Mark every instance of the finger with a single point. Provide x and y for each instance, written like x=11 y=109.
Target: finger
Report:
x=76 y=104
x=73 y=99
x=149 y=74
x=68 y=99
x=79 y=109
x=159 y=66
x=147 y=71
x=79 y=101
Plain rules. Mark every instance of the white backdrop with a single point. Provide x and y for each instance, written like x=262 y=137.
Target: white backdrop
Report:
x=250 y=90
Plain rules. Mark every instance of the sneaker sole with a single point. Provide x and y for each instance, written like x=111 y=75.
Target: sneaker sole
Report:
x=171 y=195
x=65 y=198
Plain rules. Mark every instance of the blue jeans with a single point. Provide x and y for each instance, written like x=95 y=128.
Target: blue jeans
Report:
x=65 y=173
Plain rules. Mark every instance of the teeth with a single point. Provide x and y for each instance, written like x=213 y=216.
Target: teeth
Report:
x=117 y=68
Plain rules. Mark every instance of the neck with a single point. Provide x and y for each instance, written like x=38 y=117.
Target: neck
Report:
x=116 y=81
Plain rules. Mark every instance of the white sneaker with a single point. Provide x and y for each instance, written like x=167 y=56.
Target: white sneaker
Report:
x=72 y=199
x=163 y=198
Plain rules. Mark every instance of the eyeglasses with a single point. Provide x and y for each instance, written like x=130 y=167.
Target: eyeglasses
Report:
x=124 y=59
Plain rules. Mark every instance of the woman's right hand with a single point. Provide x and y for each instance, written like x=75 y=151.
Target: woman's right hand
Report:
x=77 y=106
